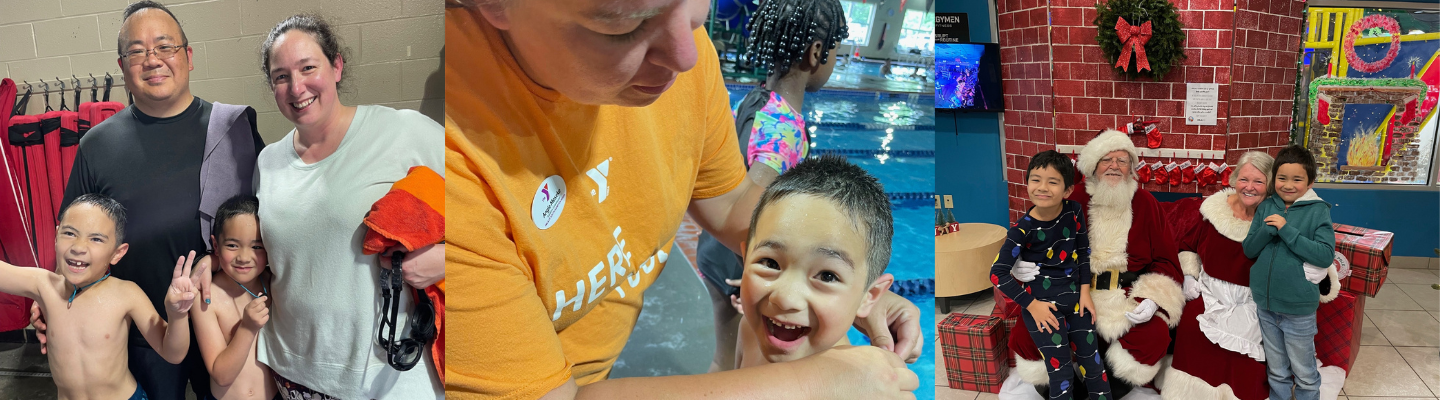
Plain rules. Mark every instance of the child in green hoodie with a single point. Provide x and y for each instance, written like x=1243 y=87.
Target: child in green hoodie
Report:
x=1291 y=229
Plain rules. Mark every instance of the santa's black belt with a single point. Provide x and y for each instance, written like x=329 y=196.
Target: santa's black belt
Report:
x=1112 y=280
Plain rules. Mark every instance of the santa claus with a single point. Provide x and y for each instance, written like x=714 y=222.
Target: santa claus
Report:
x=1137 y=287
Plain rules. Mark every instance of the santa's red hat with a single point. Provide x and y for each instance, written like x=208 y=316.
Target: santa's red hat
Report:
x=1109 y=140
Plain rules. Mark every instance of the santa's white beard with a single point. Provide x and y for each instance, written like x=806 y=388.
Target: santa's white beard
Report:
x=1105 y=194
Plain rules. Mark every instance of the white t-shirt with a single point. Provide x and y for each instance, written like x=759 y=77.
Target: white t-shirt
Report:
x=324 y=318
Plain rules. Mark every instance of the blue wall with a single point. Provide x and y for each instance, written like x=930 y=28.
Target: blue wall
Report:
x=968 y=158
x=1413 y=215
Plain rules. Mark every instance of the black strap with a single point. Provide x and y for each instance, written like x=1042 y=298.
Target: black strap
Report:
x=108 y=81
x=24 y=101
x=403 y=354
x=26 y=134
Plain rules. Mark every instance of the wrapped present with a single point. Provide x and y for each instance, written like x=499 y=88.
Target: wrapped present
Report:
x=1009 y=313
x=974 y=347
x=1004 y=307
x=1337 y=341
x=1369 y=253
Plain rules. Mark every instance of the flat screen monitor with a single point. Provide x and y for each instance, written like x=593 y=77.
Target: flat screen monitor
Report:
x=967 y=77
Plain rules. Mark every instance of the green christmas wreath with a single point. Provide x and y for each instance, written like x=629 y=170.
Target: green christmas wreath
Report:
x=1153 y=30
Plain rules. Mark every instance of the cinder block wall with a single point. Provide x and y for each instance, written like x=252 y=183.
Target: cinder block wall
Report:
x=394 y=49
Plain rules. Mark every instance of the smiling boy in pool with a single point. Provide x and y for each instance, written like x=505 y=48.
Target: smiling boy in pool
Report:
x=815 y=261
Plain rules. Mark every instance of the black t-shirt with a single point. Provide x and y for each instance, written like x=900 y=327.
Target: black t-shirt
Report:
x=152 y=167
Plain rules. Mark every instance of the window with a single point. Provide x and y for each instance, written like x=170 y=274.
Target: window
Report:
x=917 y=33
x=860 y=16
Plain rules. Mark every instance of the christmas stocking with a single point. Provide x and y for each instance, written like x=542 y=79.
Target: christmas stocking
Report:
x=1158 y=173
x=1144 y=172
x=1187 y=173
x=1152 y=135
x=1322 y=110
x=1207 y=175
x=1174 y=173
x=1225 y=175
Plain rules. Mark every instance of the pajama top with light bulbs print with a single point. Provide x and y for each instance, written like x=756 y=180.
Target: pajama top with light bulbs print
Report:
x=1061 y=249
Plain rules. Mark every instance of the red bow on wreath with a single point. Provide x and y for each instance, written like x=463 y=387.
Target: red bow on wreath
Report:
x=1132 y=37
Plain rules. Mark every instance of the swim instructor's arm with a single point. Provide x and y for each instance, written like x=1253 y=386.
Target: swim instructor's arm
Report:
x=727 y=216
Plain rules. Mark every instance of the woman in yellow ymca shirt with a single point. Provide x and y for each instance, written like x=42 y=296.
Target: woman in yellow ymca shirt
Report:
x=577 y=134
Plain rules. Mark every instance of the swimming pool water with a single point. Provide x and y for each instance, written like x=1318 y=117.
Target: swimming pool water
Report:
x=841 y=106
x=892 y=137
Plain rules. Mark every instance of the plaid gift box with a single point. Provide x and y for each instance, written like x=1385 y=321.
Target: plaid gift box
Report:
x=1338 y=340
x=1369 y=253
x=1004 y=307
x=1009 y=313
x=974 y=350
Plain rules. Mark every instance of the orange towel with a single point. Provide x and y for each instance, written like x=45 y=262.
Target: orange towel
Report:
x=412 y=215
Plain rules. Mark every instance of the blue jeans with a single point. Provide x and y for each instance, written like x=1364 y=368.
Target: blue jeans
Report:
x=1290 y=351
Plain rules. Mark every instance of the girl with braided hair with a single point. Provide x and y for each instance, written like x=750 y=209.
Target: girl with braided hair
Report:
x=793 y=40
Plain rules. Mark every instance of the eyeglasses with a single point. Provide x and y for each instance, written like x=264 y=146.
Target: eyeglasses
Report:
x=1120 y=161
x=162 y=52
x=404 y=353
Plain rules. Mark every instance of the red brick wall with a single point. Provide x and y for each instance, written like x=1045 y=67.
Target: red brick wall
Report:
x=1025 y=46
x=1080 y=93
x=1267 y=47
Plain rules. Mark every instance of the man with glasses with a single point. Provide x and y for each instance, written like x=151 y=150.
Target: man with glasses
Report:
x=163 y=159
x=1137 y=287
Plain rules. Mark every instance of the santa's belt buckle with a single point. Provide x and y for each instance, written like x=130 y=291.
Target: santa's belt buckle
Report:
x=1111 y=280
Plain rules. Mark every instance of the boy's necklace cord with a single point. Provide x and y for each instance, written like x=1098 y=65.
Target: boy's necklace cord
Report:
x=78 y=289
x=263 y=289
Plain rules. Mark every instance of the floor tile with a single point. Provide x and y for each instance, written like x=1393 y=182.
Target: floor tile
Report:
x=1425 y=361
x=1426 y=296
x=1412 y=276
x=946 y=393
x=988 y=396
x=982 y=306
x=1370 y=335
x=1392 y=297
x=1380 y=371
x=1407 y=328
x=957 y=304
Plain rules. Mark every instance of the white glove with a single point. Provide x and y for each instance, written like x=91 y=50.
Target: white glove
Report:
x=1314 y=274
x=1025 y=271
x=1142 y=312
x=1191 y=288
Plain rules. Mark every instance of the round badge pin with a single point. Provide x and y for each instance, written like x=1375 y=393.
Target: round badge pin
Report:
x=549 y=202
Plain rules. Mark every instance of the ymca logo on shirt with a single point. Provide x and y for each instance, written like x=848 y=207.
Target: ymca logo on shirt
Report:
x=599 y=174
x=549 y=202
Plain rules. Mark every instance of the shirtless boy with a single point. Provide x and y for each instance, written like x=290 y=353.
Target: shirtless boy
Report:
x=89 y=312
x=226 y=329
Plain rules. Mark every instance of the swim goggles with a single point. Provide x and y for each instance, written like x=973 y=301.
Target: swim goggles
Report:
x=404 y=353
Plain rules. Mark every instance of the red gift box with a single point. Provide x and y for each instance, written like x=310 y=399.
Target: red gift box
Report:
x=1337 y=341
x=1009 y=314
x=1004 y=307
x=974 y=349
x=1369 y=253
